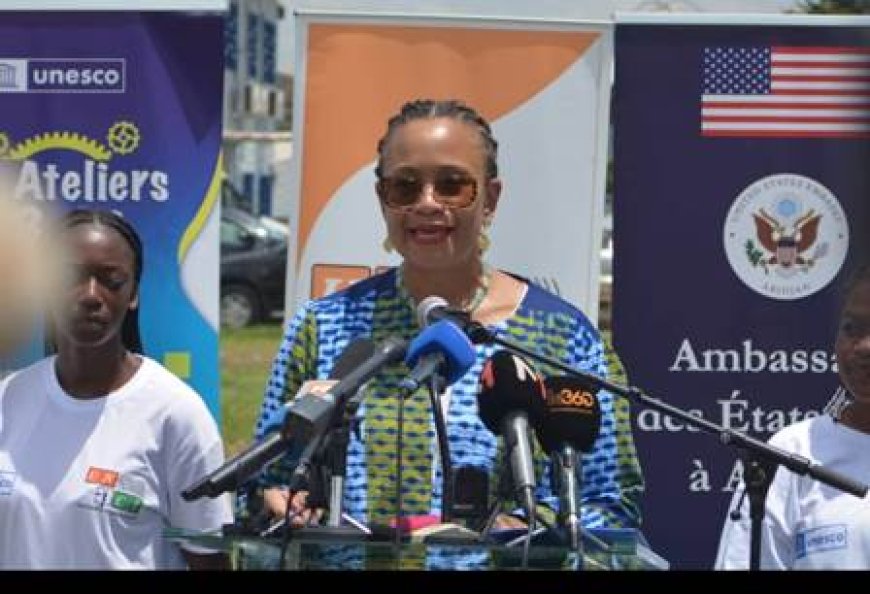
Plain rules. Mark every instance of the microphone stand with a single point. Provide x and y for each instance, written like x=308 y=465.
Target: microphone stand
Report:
x=336 y=455
x=767 y=457
x=503 y=491
x=330 y=462
x=337 y=462
x=569 y=510
x=436 y=388
x=758 y=473
x=436 y=382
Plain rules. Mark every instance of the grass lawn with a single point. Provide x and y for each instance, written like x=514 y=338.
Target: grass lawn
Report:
x=246 y=357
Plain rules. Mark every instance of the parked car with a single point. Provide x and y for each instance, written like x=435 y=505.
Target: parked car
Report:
x=253 y=267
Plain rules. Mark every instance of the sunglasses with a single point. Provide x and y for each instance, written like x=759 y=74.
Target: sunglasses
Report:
x=450 y=188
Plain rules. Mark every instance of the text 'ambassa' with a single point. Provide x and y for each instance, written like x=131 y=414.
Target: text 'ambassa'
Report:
x=748 y=359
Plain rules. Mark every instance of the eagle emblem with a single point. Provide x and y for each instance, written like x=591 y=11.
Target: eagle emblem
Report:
x=786 y=236
x=785 y=245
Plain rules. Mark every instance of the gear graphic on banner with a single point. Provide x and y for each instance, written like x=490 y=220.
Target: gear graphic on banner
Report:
x=123 y=137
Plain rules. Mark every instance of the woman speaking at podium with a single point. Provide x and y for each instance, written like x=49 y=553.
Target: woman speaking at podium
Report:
x=438 y=189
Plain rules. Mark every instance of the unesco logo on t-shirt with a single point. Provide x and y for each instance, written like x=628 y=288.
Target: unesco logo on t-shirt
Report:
x=823 y=538
x=7 y=482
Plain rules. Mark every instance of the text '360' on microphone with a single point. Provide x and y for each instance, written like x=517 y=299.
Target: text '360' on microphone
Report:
x=572 y=415
x=233 y=473
x=511 y=394
x=571 y=422
x=440 y=348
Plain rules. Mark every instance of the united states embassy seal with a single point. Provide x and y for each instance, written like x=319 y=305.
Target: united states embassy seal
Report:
x=786 y=236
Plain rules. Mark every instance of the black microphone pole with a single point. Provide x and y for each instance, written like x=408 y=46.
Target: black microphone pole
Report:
x=566 y=467
x=728 y=436
x=336 y=455
x=436 y=389
x=319 y=431
x=757 y=475
x=767 y=456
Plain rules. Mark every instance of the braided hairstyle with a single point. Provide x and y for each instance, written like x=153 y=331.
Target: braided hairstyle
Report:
x=130 y=335
x=422 y=109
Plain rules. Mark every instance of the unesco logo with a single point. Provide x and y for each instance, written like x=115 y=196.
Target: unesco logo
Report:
x=12 y=76
x=62 y=75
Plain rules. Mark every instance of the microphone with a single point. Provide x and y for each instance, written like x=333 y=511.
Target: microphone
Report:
x=570 y=424
x=233 y=473
x=442 y=347
x=353 y=355
x=440 y=352
x=572 y=415
x=312 y=414
x=511 y=393
x=434 y=309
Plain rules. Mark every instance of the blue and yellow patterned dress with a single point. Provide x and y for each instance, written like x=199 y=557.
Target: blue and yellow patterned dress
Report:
x=377 y=308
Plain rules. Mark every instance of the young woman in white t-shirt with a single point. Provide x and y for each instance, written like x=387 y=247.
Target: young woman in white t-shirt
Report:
x=808 y=524
x=97 y=441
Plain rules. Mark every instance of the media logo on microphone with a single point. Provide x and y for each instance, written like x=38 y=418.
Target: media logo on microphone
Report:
x=520 y=368
x=786 y=236
x=63 y=75
x=568 y=398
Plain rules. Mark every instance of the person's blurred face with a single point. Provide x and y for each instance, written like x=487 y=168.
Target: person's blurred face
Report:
x=28 y=262
x=434 y=194
x=853 y=342
x=100 y=289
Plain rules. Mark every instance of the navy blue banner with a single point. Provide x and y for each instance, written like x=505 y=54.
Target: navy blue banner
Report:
x=741 y=202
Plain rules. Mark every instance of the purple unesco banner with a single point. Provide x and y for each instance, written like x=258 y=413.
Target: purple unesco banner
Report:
x=122 y=111
x=741 y=203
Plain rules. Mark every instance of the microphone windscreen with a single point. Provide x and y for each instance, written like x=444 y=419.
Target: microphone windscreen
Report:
x=427 y=306
x=508 y=383
x=446 y=338
x=573 y=415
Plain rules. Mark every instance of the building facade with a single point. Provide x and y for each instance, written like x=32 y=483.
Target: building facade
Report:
x=256 y=124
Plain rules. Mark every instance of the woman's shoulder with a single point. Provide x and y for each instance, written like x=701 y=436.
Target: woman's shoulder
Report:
x=24 y=377
x=161 y=383
x=539 y=299
x=800 y=435
x=361 y=293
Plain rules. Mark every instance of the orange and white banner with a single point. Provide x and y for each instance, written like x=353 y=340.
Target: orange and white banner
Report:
x=545 y=88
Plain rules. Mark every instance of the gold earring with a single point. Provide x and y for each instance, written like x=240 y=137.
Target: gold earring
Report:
x=483 y=240
x=387 y=244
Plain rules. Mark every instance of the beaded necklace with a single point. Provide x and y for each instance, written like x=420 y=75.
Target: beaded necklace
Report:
x=480 y=292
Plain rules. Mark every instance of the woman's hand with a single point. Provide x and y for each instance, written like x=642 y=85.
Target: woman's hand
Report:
x=276 y=501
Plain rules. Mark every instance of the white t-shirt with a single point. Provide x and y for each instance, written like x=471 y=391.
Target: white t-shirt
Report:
x=807 y=524
x=93 y=483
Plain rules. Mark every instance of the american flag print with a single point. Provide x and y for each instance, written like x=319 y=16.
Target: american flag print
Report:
x=786 y=92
